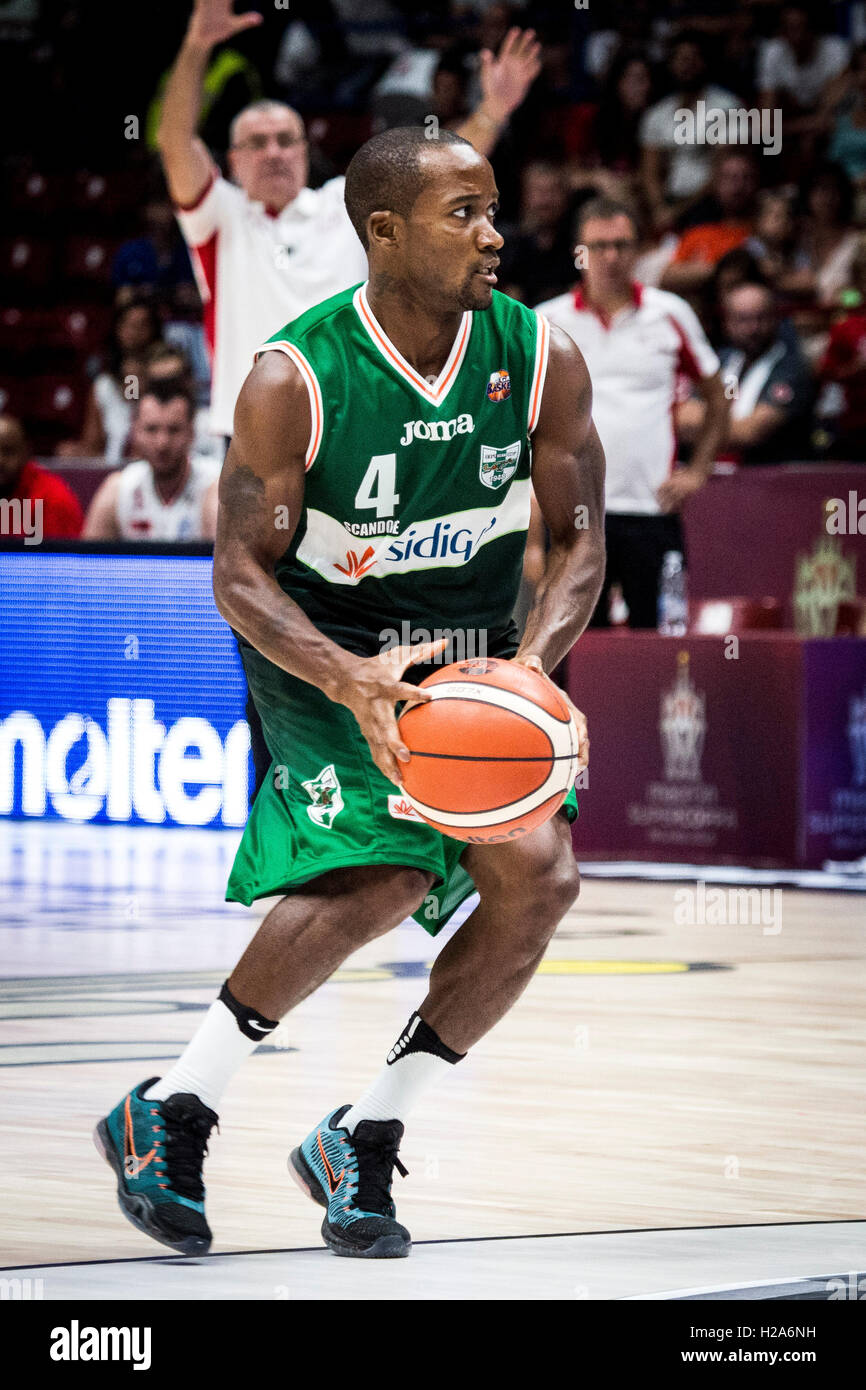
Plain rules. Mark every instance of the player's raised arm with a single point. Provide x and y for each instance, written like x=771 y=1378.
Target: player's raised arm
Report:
x=261 y=499
x=568 y=481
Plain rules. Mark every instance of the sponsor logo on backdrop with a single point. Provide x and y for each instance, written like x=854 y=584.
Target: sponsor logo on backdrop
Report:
x=682 y=809
x=822 y=581
x=683 y=726
x=326 y=795
x=857 y=737
x=844 y=820
x=130 y=767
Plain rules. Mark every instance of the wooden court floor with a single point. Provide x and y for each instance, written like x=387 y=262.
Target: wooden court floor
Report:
x=655 y=1074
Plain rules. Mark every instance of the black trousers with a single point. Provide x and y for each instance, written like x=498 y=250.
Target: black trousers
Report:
x=636 y=547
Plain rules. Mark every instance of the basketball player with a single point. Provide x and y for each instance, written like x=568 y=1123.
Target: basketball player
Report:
x=168 y=493
x=370 y=420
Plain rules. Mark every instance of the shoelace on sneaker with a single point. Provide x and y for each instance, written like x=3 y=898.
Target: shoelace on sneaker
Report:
x=376 y=1149
x=188 y=1123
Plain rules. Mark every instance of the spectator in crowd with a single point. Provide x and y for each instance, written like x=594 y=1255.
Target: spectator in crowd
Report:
x=795 y=68
x=774 y=241
x=166 y=362
x=847 y=120
x=636 y=341
x=700 y=248
x=825 y=250
x=624 y=25
x=737 y=63
x=168 y=493
x=844 y=365
x=108 y=414
x=23 y=480
x=676 y=173
x=158 y=261
x=768 y=378
x=828 y=240
x=537 y=260
x=266 y=244
x=603 y=142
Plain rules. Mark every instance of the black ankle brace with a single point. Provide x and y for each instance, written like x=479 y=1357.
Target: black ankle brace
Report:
x=418 y=1036
x=251 y=1023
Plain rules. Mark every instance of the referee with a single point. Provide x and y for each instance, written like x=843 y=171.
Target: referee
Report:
x=266 y=247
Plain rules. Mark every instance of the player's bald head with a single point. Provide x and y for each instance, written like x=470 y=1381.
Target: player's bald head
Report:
x=389 y=171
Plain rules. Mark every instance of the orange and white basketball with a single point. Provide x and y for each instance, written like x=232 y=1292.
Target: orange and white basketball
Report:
x=494 y=751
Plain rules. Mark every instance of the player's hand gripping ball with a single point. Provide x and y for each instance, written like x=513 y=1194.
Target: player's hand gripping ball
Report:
x=493 y=752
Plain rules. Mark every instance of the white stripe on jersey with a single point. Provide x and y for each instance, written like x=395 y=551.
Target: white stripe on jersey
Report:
x=440 y=542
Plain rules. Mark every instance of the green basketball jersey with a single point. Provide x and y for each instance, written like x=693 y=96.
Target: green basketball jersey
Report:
x=417 y=493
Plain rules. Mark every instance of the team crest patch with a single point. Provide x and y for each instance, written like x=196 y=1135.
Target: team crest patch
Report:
x=498 y=465
x=401 y=809
x=325 y=794
x=499 y=386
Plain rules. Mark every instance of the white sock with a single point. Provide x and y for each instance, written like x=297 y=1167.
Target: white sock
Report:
x=417 y=1059
x=210 y=1060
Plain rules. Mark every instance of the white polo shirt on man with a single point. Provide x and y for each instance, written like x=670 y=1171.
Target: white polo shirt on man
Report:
x=257 y=271
x=635 y=359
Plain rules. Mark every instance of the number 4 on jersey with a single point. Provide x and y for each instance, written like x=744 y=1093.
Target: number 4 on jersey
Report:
x=382 y=471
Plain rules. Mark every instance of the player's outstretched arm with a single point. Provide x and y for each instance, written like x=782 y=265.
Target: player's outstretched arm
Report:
x=261 y=498
x=568 y=481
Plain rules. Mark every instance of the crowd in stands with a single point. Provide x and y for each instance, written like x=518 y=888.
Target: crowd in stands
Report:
x=765 y=238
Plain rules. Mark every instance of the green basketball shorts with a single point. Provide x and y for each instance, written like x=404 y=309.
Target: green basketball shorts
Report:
x=325 y=805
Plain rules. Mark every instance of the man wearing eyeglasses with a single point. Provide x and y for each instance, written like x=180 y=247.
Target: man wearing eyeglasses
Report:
x=265 y=247
x=637 y=342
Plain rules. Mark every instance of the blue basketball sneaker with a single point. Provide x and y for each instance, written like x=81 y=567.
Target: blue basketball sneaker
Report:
x=157 y=1148
x=350 y=1175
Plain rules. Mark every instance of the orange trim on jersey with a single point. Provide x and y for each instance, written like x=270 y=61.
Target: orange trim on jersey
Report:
x=313 y=391
x=436 y=393
x=536 y=390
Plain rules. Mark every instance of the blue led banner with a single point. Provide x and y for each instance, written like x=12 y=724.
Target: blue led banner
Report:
x=121 y=692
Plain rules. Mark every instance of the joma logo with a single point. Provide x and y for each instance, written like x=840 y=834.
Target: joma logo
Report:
x=437 y=429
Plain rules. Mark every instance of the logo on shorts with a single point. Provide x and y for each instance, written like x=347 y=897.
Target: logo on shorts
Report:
x=325 y=794
x=401 y=809
x=498 y=465
x=499 y=386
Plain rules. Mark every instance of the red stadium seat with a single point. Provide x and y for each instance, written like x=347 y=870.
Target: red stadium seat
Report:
x=723 y=616
x=106 y=195
x=52 y=401
x=19 y=330
x=82 y=327
x=89 y=259
x=26 y=261
x=33 y=194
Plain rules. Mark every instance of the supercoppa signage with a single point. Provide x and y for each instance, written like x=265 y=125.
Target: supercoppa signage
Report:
x=121 y=693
